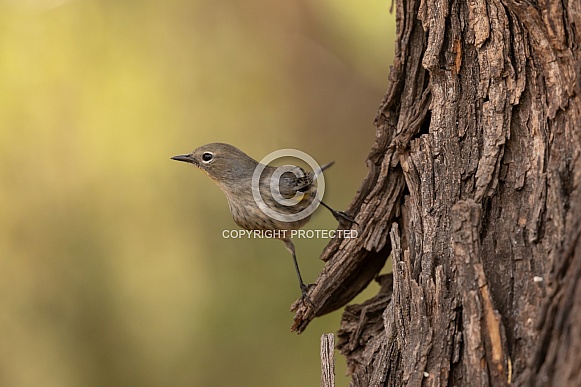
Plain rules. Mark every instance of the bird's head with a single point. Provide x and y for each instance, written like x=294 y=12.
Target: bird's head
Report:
x=223 y=163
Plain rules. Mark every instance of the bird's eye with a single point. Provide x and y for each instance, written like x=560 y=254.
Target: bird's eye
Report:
x=207 y=157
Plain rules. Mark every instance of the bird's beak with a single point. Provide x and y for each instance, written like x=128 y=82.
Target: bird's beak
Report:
x=185 y=158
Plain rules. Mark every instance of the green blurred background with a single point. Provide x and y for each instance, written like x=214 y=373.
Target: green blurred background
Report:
x=113 y=267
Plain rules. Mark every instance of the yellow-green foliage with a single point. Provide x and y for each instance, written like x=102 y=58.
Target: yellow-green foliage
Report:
x=113 y=270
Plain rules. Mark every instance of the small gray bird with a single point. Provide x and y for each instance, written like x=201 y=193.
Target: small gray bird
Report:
x=235 y=173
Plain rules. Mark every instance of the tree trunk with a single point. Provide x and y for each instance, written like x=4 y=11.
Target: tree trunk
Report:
x=474 y=189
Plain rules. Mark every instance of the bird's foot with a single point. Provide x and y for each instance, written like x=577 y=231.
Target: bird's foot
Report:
x=343 y=218
x=305 y=294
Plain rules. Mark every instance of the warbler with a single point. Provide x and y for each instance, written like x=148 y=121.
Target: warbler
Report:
x=263 y=197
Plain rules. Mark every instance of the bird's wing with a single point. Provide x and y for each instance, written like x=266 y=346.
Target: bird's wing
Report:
x=290 y=183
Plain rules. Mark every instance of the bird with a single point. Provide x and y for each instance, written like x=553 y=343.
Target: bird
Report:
x=262 y=197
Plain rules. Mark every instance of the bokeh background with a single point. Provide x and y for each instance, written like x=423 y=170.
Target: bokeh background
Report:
x=113 y=269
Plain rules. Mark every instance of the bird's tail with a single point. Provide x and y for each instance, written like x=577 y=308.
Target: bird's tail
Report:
x=325 y=166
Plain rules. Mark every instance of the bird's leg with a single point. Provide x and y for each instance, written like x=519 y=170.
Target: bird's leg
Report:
x=304 y=288
x=341 y=216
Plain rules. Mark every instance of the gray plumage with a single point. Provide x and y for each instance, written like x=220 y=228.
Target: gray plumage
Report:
x=232 y=170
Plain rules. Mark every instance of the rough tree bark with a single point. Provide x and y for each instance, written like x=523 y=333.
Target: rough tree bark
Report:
x=474 y=189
